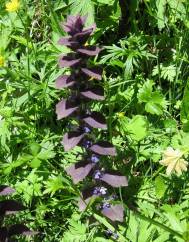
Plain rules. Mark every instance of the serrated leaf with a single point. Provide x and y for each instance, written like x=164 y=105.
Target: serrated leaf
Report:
x=153 y=108
x=53 y=184
x=172 y=214
x=46 y=151
x=145 y=91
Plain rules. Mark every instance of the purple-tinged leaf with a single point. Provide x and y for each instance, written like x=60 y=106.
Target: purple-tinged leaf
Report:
x=82 y=204
x=89 y=50
x=64 y=81
x=3 y=234
x=69 y=60
x=79 y=170
x=65 y=108
x=83 y=36
x=20 y=229
x=87 y=195
x=6 y=190
x=69 y=42
x=71 y=139
x=95 y=73
x=96 y=120
x=10 y=207
x=103 y=148
x=95 y=93
x=115 y=180
x=114 y=212
x=92 y=27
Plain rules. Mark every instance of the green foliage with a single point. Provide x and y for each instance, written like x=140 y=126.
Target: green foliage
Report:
x=137 y=127
x=155 y=102
x=145 y=79
x=83 y=7
x=77 y=231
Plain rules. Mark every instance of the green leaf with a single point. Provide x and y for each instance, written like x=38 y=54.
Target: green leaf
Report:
x=161 y=4
x=77 y=231
x=35 y=163
x=178 y=10
x=184 y=112
x=46 y=151
x=160 y=187
x=108 y=2
x=145 y=91
x=171 y=212
x=22 y=40
x=138 y=127
x=53 y=184
x=35 y=148
x=167 y=72
x=83 y=7
x=153 y=108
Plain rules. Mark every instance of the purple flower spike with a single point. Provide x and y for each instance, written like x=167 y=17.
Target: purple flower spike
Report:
x=84 y=91
x=103 y=148
x=114 y=212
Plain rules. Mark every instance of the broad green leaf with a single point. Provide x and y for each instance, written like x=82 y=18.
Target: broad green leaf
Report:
x=160 y=187
x=153 y=108
x=35 y=163
x=138 y=127
x=178 y=10
x=35 y=148
x=170 y=125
